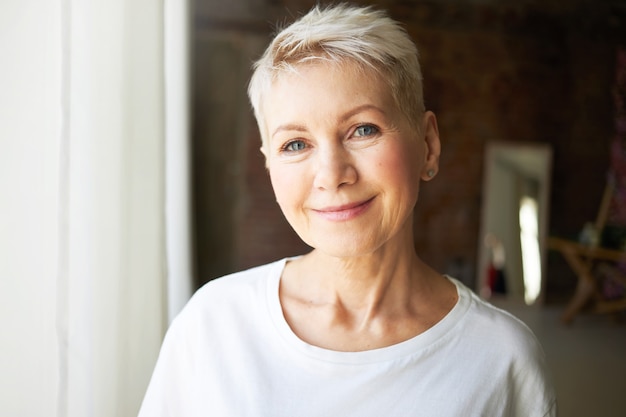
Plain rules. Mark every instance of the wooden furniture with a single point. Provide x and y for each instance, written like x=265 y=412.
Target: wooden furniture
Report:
x=582 y=258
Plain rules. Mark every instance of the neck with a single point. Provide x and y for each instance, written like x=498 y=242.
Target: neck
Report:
x=360 y=303
x=388 y=279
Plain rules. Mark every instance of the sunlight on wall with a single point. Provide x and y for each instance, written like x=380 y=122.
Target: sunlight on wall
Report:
x=531 y=258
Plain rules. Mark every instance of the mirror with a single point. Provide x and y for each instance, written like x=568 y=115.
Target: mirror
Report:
x=513 y=231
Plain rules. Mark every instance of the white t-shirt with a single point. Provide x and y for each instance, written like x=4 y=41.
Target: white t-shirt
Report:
x=230 y=352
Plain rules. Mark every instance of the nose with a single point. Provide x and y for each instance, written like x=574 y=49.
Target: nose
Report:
x=335 y=168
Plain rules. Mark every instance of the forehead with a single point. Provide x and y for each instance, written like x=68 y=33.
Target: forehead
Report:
x=344 y=71
x=325 y=85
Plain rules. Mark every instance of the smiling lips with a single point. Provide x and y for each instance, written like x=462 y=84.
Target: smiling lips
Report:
x=344 y=212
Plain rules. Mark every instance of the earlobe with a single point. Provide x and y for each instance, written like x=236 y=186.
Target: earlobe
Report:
x=433 y=145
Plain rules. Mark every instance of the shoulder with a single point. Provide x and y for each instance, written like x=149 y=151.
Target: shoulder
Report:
x=224 y=318
x=501 y=339
x=497 y=327
x=241 y=290
x=221 y=308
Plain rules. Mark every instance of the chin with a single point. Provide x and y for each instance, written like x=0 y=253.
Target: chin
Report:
x=343 y=247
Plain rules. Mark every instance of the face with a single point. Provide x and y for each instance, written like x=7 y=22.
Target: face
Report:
x=344 y=163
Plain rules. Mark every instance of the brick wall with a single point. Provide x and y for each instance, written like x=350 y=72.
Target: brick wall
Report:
x=492 y=71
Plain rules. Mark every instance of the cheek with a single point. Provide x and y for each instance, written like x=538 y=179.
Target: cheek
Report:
x=286 y=188
x=400 y=166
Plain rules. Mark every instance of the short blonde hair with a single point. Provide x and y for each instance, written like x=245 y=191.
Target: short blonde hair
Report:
x=343 y=34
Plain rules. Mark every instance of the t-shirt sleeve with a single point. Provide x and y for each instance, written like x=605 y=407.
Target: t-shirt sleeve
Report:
x=533 y=391
x=516 y=368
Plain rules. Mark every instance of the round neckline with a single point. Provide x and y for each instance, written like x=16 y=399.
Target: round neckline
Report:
x=415 y=345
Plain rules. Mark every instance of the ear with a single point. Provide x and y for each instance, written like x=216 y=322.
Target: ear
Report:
x=263 y=150
x=433 y=146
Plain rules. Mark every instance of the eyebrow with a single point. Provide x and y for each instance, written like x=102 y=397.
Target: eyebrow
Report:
x=360 y=109
x=294 y=127
x=289 y=127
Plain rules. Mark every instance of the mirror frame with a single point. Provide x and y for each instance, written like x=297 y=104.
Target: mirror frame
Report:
x=535 y=161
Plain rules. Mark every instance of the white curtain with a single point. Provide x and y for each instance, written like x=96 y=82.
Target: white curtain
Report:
x=177 y=155
x=88 y=258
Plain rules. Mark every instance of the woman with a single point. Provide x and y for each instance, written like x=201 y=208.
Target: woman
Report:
x=360 y=326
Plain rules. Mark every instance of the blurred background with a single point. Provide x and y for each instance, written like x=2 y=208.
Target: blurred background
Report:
x=130 y=174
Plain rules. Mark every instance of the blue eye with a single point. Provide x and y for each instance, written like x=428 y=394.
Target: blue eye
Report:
x=295 y=146
x=365 y=130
